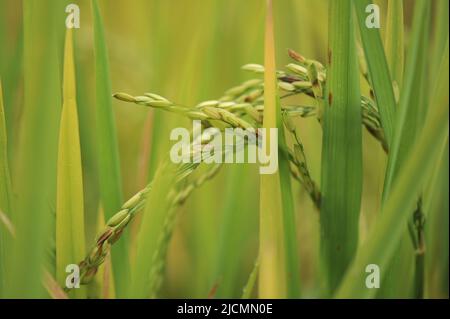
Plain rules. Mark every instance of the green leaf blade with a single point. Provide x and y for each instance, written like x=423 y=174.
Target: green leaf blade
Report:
x=382 y=240
x=341 y=148
x=107 y=150
x=35 y=173
x=378 y=70
x=5 y=195
x=394 y=41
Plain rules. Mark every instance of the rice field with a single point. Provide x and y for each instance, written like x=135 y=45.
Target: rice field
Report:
x=347 y=100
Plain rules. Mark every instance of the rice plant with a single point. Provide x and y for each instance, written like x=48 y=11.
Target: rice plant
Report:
x=93 y=205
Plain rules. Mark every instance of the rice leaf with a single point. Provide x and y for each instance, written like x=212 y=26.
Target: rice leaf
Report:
x=151 y=234
x=35 y=177
x=412 y=111
x=440 y=32
x=383 y=238
x=5 y=193
x=272 y=275
x=107 y=150
x=341 y=148
x=378 y=70
x=248 y=289
x=437 y=219
x=411 y=106
x=70 y=246
x=393 y=41
x=235 y=229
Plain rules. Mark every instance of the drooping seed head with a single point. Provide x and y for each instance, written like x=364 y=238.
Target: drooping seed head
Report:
x=286 y=86
x=156 y=97
x=257 y=68
x=298 y=69
x=118 y=218
x=207 y=103
x=124 y=97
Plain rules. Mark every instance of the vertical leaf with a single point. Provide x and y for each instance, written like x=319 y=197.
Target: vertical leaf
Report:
x=412 y=111
x=393 y=41
x=272 y=263
x=441 y=21
x=341 y=148
x=277 y=234
x=411 y=105
x=151 y=234
x=35 y=178
x=5 y=194
x=378 y=70
x=382 y=240
x=108 y=154
x=70 y=246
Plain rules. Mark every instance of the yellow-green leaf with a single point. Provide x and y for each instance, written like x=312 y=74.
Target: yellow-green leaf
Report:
x=272 y=275
x=70 y=246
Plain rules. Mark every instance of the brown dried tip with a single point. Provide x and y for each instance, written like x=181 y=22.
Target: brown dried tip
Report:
x=296 y=56
x=104 y=236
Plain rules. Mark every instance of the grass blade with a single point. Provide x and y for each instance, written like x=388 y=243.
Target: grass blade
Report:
x=393 y=41
x=381 y=242
x=5 y=193
x=70 y=246
x=35 y=176
x=411 y=110
x=272 y=278
x=378 y=70
x=151 y=232
x=247 y=291
x=409 y=124
x=440 y=32
x=108 y=154
x=341 y=148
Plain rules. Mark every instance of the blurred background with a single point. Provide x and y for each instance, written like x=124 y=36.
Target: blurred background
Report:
x=187 y=51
